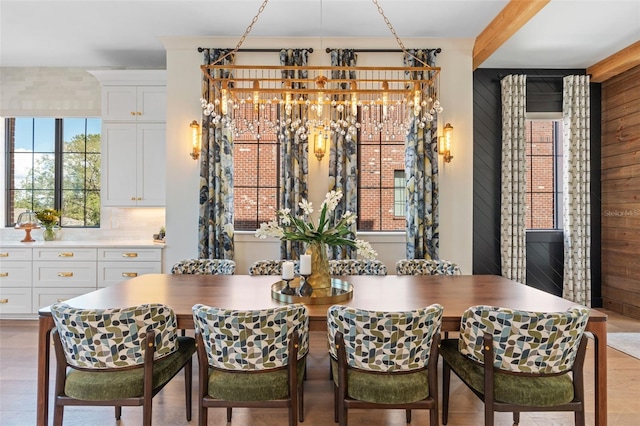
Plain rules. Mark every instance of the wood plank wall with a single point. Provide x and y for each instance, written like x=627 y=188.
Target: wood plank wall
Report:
x=621 y=193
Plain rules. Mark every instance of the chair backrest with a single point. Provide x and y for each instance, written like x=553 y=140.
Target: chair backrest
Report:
x=271 y=267
x=525 y=342
x=113 y=338
x=357 y=267
x=426 y=267
x=384 y=341
x=251 y=339
x=205 y=267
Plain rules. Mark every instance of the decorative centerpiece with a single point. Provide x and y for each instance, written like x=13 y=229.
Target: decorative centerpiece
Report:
x=49 y=219
x=27 y=221
x=287 y=226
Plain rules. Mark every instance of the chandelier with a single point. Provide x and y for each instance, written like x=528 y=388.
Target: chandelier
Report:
x=321 y=101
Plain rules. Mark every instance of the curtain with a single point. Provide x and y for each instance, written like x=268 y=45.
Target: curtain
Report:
x=294 y=148
x=343 y=158
x=513 y=208
x=421 y=174
x=576 y=188
x=215 y=222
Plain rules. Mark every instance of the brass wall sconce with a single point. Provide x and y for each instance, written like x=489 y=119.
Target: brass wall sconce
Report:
x=320 y=145
x=195 y=140
x=444 y=147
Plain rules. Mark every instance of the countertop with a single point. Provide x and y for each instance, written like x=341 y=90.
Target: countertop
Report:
x=83 y=243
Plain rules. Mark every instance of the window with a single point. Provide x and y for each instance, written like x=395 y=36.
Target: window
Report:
x=54 y=163
x=256 y=169
x=381 y=183
x=544 y=174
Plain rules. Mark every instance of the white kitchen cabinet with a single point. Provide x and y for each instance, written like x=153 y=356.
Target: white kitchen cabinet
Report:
x=134 y=103
x=133 y=160
x=15 y=280
x=120 y=264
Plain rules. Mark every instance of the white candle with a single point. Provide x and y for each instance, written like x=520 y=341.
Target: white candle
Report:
x=305 y=264
x=287 y=270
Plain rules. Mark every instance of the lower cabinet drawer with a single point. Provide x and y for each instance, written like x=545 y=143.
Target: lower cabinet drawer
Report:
x=64 y=274
x=43 y=297
x=114 y=272
x=15 y=274
x=15 y=300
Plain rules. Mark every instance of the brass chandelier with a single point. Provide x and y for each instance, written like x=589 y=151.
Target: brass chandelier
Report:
x=321 y=101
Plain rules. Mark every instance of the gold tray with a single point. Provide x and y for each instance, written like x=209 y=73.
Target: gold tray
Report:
x=339 y=292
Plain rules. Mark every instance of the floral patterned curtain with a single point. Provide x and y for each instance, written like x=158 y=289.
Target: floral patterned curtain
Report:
x=576 y=189
x=215 y=222
x=294 y=148
x=343 y=159
x=513 y=250
x=421 y=174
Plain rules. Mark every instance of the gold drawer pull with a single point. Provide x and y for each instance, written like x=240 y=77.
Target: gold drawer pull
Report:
x=4 y=300
x=65 y=254
x=133 y=113
x=4 y=254
x=4 y=274
x=133 y=198
x=65 y=274
x=129 y=254
x=129 y=274
x=61 y=300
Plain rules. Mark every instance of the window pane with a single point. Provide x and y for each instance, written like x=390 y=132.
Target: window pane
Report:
x=44 y=171
x=23 y=135
x=22 y=177
x=369 y=214
x=44 y=134
x=267 y=205
x=245 y=208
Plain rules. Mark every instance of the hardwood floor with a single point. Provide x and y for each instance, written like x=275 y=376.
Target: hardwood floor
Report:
x=18 y=350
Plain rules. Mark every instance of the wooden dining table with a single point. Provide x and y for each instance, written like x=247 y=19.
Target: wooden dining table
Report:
x=387 y=293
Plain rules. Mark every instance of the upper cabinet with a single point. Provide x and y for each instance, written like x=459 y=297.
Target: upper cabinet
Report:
x=134 y=105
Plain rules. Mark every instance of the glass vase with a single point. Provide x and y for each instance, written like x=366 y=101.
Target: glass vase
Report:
x=320 y=277
x=49 y=233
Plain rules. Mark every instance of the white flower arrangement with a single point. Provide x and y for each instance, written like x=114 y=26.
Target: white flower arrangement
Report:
x=287 y=226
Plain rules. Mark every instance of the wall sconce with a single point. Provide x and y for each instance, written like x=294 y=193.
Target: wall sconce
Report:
x=444 y=147
x=195 y=140
x=320 y=145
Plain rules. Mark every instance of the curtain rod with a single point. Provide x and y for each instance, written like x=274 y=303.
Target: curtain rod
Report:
x=328 y=50
x=501 y=76
x=202 y=49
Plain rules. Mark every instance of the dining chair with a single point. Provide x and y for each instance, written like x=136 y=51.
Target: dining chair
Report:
x=426 y=267
x=357 y=267
x=384 y=359
x=271 y=267
x=117 y=357
x=519 y=361
x=251 y=358
x=204 y=267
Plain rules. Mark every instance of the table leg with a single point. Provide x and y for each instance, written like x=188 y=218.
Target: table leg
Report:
x=599 y=330
x=45 y=324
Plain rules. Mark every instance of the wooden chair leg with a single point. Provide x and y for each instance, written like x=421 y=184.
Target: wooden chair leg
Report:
x=188 y=386
x=408 y=415
x=202 y=414
x=146 y=414
x=446 y=381
x=229 y=413
x=58 y=414
x=118 y=412
x=335 y=403
x=301 y=404
x=516 y=418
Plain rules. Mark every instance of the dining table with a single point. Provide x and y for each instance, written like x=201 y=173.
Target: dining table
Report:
x=383 y=293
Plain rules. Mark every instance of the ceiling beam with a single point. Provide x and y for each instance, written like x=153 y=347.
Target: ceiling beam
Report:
x=615 y=64
x=510 y=19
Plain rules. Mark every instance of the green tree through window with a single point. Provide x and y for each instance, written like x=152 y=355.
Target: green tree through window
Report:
x=54 y=163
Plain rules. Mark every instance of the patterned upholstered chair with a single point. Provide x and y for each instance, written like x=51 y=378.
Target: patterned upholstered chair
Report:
x=205 y=267
x=426 y=267
x=271 y=267
x=519 y=361
x=118 y=357
x=252 y=358
x=384 y=359
x=357 y=267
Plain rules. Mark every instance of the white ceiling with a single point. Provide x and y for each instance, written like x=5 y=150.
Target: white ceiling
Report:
x=125 y=33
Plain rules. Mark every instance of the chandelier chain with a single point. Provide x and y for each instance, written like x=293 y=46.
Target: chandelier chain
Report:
x=393 y=31
x=246 y=33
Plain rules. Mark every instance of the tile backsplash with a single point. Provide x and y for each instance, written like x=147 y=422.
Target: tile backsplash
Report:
x=116 y=224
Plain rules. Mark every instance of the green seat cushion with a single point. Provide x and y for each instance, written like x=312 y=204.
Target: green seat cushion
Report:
x=509 y=388
x=381 y=388
x=252 y=386
x=110 y=385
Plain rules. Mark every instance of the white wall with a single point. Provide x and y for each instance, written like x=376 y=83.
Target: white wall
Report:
x=456 y=180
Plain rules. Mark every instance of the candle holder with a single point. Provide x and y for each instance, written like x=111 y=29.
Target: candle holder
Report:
x=288 y=290
x=305 y=289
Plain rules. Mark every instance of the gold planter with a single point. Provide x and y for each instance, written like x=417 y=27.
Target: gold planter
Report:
x=320 y=277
